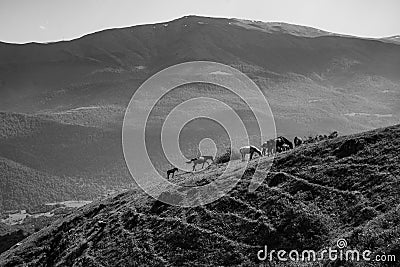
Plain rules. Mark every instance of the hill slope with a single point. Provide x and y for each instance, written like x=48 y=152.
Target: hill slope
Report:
x=343 y=188
x=45 y=160
x=56 y=147
x=22 y=187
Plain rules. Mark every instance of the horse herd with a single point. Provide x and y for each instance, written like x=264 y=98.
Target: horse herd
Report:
x=269 y=148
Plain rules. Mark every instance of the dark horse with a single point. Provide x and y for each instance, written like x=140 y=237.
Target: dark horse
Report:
x=333 y=135
x=171 y=171
x=269 y=148
x=280 y=141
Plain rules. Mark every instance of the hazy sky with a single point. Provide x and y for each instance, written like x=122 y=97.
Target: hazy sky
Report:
x=24 y=21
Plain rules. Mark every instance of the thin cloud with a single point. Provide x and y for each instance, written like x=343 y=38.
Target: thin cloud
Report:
x=218 y=72
x=42 y=27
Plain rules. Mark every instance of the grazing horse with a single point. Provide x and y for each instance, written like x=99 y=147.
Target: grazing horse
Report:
x=199 y=160
x=280 y=141
x=269 y=146
x=249 y=150
x=171 y=171
x=297 y=141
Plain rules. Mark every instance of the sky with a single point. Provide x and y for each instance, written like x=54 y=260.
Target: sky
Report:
x=23 y=21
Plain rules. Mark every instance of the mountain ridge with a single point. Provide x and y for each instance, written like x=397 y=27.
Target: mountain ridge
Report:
x=269 y=23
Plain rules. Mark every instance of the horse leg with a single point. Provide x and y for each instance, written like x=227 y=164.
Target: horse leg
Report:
x=251 y=155
x=203 y=165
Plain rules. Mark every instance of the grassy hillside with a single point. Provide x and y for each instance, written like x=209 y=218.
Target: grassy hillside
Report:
x=23 y=187
x=44 y=160
x=57 y=148
x=343 y=188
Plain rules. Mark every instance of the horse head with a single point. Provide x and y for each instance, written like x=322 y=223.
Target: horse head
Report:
x=190 y=161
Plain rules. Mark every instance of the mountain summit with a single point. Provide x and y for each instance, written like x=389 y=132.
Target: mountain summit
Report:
x=107 y=66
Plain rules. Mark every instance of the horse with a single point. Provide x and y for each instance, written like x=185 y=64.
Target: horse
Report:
x=199 y=160
x=333 y=135
x=249 y=150
x=269 y=147
x=172 y=171
x=280 y=141
x=297 y=141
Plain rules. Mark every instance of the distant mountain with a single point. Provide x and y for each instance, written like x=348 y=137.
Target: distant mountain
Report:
x=107 y=67
x=315 y=194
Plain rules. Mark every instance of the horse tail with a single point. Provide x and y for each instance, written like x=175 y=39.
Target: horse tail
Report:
x=290 y=145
